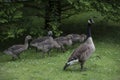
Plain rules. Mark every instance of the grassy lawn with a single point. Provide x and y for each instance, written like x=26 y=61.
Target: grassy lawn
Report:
x=32 y=67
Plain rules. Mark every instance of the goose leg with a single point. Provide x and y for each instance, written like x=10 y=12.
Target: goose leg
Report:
x=49 y=52
x=82 y=65
x=43 y=54
x=63 y=48
x=18 y=56
x=36 y=50
x=14 y=57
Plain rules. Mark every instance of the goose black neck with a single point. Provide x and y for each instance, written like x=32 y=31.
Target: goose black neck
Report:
x=89 y=30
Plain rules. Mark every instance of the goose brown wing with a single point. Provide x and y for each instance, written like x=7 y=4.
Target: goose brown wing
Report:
x=79 y=52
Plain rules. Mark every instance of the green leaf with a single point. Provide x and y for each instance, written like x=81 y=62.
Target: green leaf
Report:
x=18 y=14
x=3 y=21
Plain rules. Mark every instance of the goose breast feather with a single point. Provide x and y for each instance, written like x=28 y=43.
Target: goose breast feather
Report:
x=83 y=52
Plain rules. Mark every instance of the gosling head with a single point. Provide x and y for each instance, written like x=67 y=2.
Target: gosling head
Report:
x=69 y=36
x=50 y=33
x=83 y=37
x=28 y=37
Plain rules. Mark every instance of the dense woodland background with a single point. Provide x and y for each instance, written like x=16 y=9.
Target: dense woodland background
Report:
x=19 y=18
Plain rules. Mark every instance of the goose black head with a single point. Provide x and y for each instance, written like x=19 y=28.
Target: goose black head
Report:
x=90 y=21
x=50 y=33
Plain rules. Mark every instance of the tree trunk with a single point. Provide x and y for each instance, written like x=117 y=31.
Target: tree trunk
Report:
x=52 y=13
x=47 y=15
x=58 y=10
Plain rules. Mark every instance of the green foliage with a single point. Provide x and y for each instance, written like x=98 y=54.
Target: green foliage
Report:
x=19 y=19
x=10 y=12
x=81 y=5
x=12 y=31
x=55 y=28
x=110 y=10
x=33 y=25
x=14 y=24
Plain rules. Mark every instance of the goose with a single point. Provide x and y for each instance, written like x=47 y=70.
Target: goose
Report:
x=77 y=38
x=47 y=45
x=35 y=42
x=82 y=38
x=84 y=51
x=15 y=50
x=64 y=41
x=38 y=40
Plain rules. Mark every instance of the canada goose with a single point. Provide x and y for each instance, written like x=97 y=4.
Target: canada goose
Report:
x=15 y=50
x=47 y=45
x=77 y=38
x=38 y=40
x=83 y=37
x=84 y=51
x=64 y=41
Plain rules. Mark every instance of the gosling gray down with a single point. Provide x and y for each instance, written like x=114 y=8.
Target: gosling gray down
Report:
x=77 y=38
x=40 y=39
x=47 y=45
x=84 y=51
x=64 y=41
x=15 y=50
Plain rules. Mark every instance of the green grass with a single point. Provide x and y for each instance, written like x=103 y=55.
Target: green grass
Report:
x=32 y=67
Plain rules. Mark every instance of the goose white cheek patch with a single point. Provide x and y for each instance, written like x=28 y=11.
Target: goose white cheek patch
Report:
x=72 y=62
x=89 y=21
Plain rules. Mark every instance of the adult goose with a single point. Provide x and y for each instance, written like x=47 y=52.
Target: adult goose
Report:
x=15 y=50
x=84 y=51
